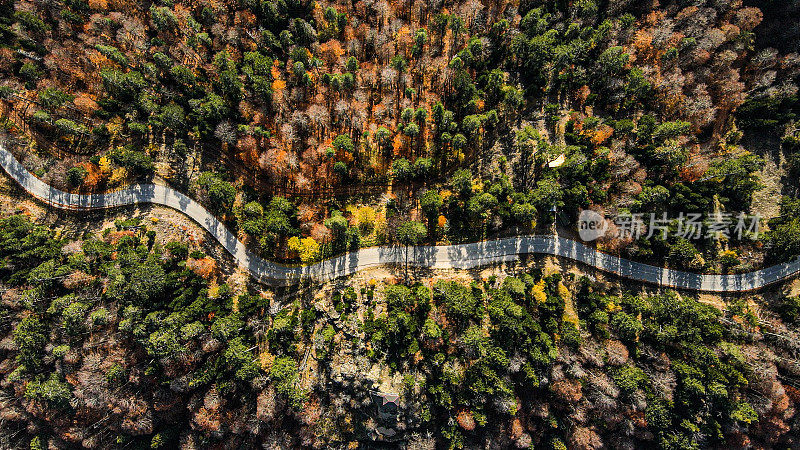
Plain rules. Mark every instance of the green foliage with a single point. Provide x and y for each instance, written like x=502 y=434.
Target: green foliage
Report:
x=112 y=53
x=612 y=61
x=76 y=175
x=60 y=350
x=431 y=330
x=398 y=297
x=670 y=130
x=338 y=224
x=737 y=179
x=163 y=343
x=240 y=360
x=431 y=203
x=252 y=218
x=458 y=300
x=547 y=194
x=422 y=168
x=173 y=117
x=123 y=86
x=24 y=245
x=137 y=162
x=516 y=288
x=629 y=379
x=523 y=213
x=768 y=111
x=277 y=222
x=789 y=309
x=163 y=18
x=31 y=22
x=627 y=326
x=411 y=233
x=383 y=136
x=146 y=280
x=210 y=110
x=683 y=253
x=343 y=143
x=744 y=413
x=651 y=198
x=220 y=193
x=461 y=182
x=69 y=127
x=30 y=336
x=227 y=327
x=36 y=443
x=115 y=374
x=476 y=349
x=323 y=342
x=53 y=391
x=52 y=98
x=99 y=317
x=182 y=75
x=401 y=169
x=285 y=376
x=74 y=316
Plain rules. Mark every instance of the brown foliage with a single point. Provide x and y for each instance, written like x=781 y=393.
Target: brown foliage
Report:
x=7 y=59
x=94 y=176
x=267 y=405
x=771 y=428
x=737 y=439
x=98 y=5
x=568 y=391
x=749 y=18
x=601 y=134
x=204 y=267
x=516 y=428
x=585 y=439
x=321 y=233
x=114 y=237
x=138 y=420
x=85 y=103
x=465 y=420
x=616 y=353
x=208 y=420
x=77 y=279
x=793 y=393
x=248 y=150
x=331 y=51
x=582 y=94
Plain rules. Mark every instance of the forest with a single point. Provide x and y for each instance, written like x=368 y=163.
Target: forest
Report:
x=336 y=123
x=115 y=340
x=315 y=127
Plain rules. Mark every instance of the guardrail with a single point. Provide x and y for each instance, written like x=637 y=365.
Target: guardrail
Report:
x=461 y=256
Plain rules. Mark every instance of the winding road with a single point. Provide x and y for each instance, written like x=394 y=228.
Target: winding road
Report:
x=461 y=256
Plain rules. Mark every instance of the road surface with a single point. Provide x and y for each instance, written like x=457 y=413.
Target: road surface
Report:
x=461 y=256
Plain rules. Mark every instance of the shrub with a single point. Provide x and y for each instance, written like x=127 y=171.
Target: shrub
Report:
x=137 y=162
x=53 y=391
x=52 y=98
x=401 y=169
x=284 y=374
x=67 y=126
x=76 y=175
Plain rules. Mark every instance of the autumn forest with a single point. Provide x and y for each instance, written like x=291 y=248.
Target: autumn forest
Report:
x=315 y=128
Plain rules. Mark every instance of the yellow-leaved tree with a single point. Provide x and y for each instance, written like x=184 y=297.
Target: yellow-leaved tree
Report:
x=118 y=176
x=105 y=165
x=537 y=292
x=307 y=248
x=365 y=216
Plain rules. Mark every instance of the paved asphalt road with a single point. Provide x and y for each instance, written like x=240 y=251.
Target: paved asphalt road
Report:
x=462 y=256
